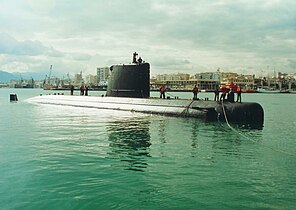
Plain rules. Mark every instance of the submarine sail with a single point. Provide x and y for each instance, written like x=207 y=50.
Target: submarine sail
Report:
x=130 y=80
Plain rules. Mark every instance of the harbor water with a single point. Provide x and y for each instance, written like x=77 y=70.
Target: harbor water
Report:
x=58 y=157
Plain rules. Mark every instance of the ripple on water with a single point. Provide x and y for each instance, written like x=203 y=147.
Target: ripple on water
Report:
x=74 y=158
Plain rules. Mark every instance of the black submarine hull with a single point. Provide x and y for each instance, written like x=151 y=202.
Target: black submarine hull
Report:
x=209 y=110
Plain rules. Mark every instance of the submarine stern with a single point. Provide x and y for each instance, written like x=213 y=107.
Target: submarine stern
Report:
x=247 y=112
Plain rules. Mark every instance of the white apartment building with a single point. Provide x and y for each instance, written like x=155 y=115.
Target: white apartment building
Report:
x=102 y=74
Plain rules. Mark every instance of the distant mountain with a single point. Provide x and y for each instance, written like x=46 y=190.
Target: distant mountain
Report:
x=40 y=75
x=34 y=75
x=6 y=77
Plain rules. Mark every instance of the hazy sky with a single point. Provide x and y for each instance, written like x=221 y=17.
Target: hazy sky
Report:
x=247 y=36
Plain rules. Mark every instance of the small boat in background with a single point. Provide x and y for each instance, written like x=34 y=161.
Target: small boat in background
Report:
x=285 y=91
x=267 y=90
x=248 y=91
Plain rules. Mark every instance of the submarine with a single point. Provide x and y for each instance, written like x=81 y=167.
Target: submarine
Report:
x=129 y=90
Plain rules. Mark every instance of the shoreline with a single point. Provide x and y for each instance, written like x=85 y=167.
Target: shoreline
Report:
x=156 y=90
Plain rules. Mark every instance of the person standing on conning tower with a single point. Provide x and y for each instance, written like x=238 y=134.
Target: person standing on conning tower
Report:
x=135 y=57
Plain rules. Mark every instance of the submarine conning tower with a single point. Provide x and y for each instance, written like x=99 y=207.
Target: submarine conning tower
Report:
x=130 y=80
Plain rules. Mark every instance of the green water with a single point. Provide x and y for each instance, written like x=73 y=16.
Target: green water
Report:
x=55 y=157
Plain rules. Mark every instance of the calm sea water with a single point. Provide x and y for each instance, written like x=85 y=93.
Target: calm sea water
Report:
x=55 y=157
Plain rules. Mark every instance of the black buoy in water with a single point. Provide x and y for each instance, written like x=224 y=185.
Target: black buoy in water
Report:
x=13 y=97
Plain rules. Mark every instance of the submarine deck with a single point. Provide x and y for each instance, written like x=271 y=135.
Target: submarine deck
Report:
x=209 y=110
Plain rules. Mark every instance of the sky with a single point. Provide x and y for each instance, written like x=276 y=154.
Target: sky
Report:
x=186 y=36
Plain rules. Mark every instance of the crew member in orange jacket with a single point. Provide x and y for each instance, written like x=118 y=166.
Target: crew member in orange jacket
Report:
x=162 y=91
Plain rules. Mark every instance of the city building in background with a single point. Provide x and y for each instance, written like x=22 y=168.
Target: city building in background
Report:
x=91 y=80
x=179 y=81
x=78 y=80
x=206 y=81
x=102 y=76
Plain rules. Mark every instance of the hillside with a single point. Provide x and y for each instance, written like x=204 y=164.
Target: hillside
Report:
x=6 y=77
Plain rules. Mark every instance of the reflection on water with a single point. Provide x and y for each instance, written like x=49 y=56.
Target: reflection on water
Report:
x=250 y=126
x=194 y=134
x=162 y=131
x=130 y=142
x=233 y=141
x=215 y=139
